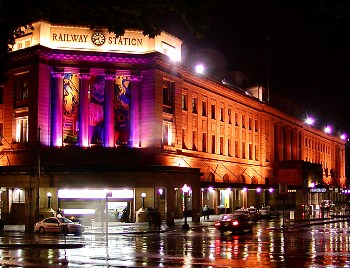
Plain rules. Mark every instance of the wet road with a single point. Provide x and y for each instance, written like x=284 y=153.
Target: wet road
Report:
x=316 y=246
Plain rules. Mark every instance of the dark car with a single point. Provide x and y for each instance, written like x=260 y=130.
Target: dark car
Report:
x=254 y=213
x=235 y=223
x=269 y=212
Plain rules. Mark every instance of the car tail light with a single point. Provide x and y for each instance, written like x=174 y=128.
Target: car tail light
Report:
x=217 y=224
x=235 y=223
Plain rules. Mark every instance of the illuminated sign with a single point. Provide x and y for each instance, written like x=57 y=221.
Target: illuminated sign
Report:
x=95 y=193
x=318 y=190
x=86 y=39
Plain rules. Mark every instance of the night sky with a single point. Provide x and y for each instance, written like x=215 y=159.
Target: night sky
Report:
x=303 y=48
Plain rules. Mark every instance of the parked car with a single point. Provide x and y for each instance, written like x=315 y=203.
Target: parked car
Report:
x=326 y=205
x=242 y=212
x=58 y=225
x=254 y=213
x=234 y=223
x=269 y=212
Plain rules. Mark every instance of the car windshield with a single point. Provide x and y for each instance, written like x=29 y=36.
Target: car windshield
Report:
x=64 y=220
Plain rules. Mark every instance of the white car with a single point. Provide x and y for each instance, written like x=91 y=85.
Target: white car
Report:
x=58 y=225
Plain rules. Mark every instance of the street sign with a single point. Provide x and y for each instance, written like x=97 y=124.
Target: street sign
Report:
x=282 y=189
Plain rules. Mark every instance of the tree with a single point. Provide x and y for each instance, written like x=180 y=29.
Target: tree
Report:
x=116 y=15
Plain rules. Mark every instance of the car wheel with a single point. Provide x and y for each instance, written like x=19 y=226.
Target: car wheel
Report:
x=41 y=230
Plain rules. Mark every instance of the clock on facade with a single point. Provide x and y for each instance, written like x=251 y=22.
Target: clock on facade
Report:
x=98 y=38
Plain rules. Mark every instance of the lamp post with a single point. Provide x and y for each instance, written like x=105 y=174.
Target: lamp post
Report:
x=108 y=194
x=49 y=199
x=143 y=195
x=185 y=190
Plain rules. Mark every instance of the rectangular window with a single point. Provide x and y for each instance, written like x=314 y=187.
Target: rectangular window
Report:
x=168 y=93
x=1 y=132
x=194 y=140
x=204 y=142
x=22 y=129
x=22 y=90
x=236 y=119
x=243 y=149
x=195 y=105
x=221 y=114
x=256 y=152
x=236 y=149
x=184 y=139
x=167 y=134
x=1 y=94
x=213 y=111
x=213 y=144
x=256 y=125
x=250 y=151
x=229 y=116
x=221 y=145
x=250 y=123
x=243 y=121
x=204 y=108
x=229 y=150
x=184 y=102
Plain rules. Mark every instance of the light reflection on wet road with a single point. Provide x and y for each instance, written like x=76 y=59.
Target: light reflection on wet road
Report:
x=318 y=246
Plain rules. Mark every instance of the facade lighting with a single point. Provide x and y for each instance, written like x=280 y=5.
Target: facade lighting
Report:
x=310 y=121
x=200 y=69
x=328 y=129
x=343 y=136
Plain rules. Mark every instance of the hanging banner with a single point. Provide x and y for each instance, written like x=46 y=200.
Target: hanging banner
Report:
x=96 y=109
x=122 y=110
x=70 y=108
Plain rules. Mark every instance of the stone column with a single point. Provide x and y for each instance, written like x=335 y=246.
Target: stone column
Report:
x=294 y=144
x=31 y=209
x=109 y=112
x=84 y=111
x=170 y=206
x=196 y=202
x=57 y=110
x=278 y=142
x=286 y=143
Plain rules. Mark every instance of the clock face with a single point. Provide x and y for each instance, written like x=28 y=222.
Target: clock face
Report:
x=98 y=38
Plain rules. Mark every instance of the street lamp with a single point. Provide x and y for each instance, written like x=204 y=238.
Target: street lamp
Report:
x=49 y=194
x=185 y=190
x=143 y=195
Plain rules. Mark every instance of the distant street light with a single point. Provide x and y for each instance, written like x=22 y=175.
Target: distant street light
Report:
x=49 y=199
x=200 y=69
x=185 y=190
x=143 y=195
x=310 y=121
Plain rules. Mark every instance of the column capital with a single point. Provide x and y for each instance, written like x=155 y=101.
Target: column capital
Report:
x=85 y=75
x=57 y=74
x=109 y=76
